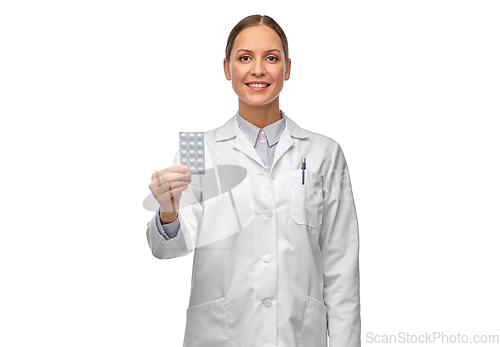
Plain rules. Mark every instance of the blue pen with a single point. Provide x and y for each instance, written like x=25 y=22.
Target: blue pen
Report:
x=303 y=169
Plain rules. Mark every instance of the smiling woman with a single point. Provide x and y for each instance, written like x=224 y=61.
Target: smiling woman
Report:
x=257 y=64
x=283 y=271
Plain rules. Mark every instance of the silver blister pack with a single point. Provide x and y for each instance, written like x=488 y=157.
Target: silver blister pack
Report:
x=192 y=151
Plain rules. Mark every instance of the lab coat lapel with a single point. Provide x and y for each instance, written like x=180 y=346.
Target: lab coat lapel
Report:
x=285 y=142
x=244 y=146
x=241 y=143
x=291 y=131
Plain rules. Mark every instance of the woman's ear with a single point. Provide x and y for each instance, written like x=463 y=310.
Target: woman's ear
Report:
x=226 y=70
x=287 y=70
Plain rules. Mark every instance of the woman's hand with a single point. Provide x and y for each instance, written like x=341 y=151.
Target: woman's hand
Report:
x=167 y=186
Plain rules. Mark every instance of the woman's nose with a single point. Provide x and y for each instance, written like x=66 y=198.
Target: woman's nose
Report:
x=258 y=69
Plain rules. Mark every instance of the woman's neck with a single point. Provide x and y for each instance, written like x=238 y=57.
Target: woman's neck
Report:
x=260 y=116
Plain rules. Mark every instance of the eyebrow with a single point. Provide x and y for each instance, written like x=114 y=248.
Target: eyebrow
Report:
x=269 y=50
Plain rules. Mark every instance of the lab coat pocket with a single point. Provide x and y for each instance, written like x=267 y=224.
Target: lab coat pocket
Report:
x=207 y=325
x=307 y=198
x=313 y=332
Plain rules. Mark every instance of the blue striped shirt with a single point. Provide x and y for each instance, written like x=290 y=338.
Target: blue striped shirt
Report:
x=263 y=140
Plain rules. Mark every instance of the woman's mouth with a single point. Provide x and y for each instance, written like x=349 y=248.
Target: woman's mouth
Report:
x=257 y=86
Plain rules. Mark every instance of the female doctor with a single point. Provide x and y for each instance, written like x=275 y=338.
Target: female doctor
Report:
x=276 y=251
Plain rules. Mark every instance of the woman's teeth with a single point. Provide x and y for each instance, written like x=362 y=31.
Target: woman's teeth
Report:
x=257 y=85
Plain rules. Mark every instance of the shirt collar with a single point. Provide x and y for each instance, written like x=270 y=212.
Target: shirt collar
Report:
x=230 y=129
x=273 y=131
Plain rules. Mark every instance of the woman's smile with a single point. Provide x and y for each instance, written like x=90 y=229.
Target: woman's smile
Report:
x=257 y=85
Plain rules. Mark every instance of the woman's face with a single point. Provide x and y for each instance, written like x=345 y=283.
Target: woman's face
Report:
x=257 y=56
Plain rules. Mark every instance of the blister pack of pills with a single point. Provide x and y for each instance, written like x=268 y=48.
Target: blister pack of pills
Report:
x=192 y=151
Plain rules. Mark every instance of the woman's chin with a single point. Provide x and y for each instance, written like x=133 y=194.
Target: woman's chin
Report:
x=257 y=101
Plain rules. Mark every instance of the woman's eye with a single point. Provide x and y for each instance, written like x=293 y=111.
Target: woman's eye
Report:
x=242 y=58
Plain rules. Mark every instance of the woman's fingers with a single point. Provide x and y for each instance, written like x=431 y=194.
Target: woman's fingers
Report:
x=173 y=184
x=169 y=199
x=168 y=184
x=173 y=169
x=160 y=178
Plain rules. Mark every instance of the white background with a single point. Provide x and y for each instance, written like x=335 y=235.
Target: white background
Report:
x=94 y=93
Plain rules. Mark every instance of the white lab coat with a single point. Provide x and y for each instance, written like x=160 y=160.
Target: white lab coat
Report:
x=275 y=262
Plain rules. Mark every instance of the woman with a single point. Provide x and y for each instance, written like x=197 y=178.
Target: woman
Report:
x=278 y=260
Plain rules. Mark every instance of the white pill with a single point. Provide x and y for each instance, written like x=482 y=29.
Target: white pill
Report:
x=200 y=170
x=191 y=144
x=191 y=153
x=200 y=153
x=200 y=162
x=183 y=153
x=192 y=170
x=199 y=136
x=183 y=145
x=183 y=136
x=184 y=161
x=191 y=136
x=199 y=145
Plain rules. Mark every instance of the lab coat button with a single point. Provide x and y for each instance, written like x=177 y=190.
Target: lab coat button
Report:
x=267 y=258
x=268 y=302
x=269 y=213
x=262 y=132
x=262 y=141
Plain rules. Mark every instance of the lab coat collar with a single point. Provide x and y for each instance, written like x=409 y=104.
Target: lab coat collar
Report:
x=230 y=129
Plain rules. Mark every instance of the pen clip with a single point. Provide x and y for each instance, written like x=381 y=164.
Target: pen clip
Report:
x=303 y=169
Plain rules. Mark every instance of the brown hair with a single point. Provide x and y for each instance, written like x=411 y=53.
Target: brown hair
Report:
x=254 y=20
